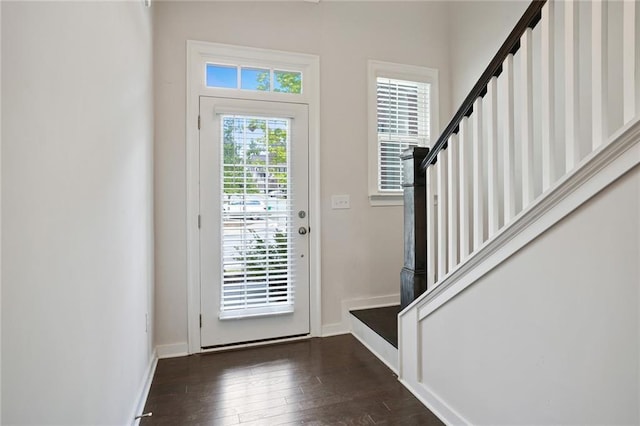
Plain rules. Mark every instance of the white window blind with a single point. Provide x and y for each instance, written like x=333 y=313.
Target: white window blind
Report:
x=402 y=122
x=256 y=205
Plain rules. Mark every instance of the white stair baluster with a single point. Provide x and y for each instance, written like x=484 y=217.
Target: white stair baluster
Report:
x=464 y=192
x=493 y=205
x=548 y=93
x=629 y=52
x=599 y=115
x=441 y=166
x=506 y=111
x=526 y=96
x=453 y=199
x=431 y=226
x=478 y=175
x=571 y=86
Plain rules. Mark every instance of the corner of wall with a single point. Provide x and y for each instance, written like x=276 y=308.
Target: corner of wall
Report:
x=172 y=350
x=0 y=216
x=344 y=326
x=145 y=387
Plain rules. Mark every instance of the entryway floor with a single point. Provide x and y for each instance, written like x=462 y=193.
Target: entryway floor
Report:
x=321 y=381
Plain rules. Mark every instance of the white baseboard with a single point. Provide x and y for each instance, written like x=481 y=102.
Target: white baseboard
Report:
x=344 y=326
x=333 y=329
x=367 y=303
x=172 y=351
x=143 y=393
x=370 y=302
x=436 y=405
x=377 y=345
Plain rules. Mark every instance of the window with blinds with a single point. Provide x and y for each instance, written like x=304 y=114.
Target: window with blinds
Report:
x=402 y=111
x=257 y=240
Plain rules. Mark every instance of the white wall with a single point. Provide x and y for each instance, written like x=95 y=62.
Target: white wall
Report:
x=0 y=215
x=361 y=247
x=552 y=335
x=477 y=29
x=77 y=216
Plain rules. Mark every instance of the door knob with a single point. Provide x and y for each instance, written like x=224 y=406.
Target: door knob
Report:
x=302 y=230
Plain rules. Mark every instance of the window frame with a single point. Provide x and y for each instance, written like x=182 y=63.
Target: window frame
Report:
x=396 y=71
x=202 y=53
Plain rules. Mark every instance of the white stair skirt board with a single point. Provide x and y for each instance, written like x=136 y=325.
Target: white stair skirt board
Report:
x=375 y=343
x=410 y=370
x=437 y=406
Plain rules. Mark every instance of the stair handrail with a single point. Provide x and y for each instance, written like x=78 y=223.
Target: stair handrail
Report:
x=511 y=45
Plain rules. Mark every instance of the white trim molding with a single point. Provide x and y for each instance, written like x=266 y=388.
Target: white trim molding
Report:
x=334 y=329
x=344 y=326
x=437 y=406
x=366 y=303
x=198 y=54
x=172 y=351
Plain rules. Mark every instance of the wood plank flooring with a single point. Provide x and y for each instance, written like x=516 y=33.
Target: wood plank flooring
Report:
x=323 y=381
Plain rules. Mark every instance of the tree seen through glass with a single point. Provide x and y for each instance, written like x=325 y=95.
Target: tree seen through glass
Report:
x=254 y=155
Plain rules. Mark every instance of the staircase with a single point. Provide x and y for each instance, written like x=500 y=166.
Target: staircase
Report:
x=377 y=329
x=521 y=286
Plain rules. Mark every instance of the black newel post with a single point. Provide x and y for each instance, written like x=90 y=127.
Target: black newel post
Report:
x=413 y=278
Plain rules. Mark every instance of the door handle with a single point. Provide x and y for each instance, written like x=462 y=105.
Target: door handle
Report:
x=302 y=230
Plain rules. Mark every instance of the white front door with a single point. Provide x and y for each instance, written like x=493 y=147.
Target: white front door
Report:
x=254 y=249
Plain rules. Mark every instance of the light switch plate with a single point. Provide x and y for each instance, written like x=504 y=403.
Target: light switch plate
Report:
x=340 y=202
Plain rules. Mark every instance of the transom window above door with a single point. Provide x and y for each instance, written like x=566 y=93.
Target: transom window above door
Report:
x=242 y=72
x=253 y=78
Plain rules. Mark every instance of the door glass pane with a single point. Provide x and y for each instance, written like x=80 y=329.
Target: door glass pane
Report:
x=256 y=244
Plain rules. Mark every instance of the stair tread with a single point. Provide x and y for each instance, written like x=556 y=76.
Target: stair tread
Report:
x=384 y=321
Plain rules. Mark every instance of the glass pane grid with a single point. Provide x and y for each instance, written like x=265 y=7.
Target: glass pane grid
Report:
x=253 y=78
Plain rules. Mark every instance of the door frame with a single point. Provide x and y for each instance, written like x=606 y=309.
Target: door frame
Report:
x=198 y=54
x=295 y=319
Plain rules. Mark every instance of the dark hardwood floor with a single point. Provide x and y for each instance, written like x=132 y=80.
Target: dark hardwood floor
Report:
x=323 y=381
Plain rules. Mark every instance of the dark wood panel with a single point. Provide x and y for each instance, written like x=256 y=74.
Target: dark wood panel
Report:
x=333 y=380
